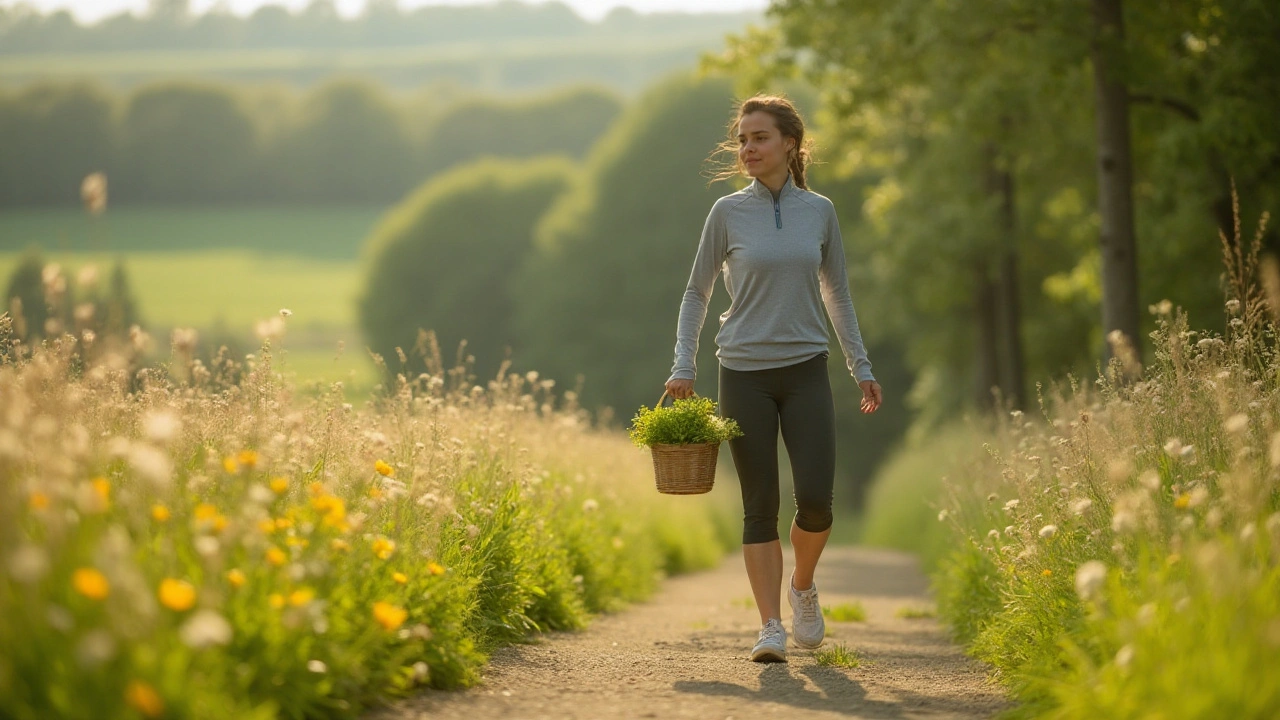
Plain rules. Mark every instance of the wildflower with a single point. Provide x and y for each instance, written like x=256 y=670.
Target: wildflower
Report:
x=1125 y=655
x=102 y=489
x=38 y=501
x=275 y=556
x=247 y=459
x=590 y=505
x=229 y=464
x=205 y=511
x=375 y=493
x=279 y=485
x=400 y=578
x=177 y=595
x=1233 y=305
x=207 y=546
x=95 y=648
x=1012 y=505
x=317 y=666
x=333 y=510
x=1048 y=531
x=161 y=426
x=1248 y=532
x=943 y=515
x=1090 y=578
x=144 y=698
x=1236 y=423
x=1124 y=521
x=1173 y=447
x=28 y=564
x=285 y=312
x=276 y=600
x=384 y=469
x=382 y=548
x=236 y=578
x=421 y=672
x=267 y=526
x=90 y=583
x=339 y=545
x=1081 y=506
x=205 y=629
x=1046 y=572
x=283 y=523
x=301 y=597
x=1183 y=501
x=389 y=616
x=472 y=531
x=435 y=568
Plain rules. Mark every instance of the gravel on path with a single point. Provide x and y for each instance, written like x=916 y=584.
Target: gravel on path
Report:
x=683 y=654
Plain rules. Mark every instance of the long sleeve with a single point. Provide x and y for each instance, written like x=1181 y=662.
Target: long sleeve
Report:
x=712 y=248
x=834 y=278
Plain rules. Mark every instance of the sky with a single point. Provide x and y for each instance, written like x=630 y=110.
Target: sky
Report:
x=91 y=10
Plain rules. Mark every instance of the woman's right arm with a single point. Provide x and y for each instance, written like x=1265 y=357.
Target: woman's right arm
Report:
x=712 y=248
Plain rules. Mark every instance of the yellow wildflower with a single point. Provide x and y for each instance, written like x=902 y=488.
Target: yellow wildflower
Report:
x=219 y=523
x=384 y=469
x=332 y=508
x=294 y=541
x=144 y=698
x=267 y=526
x=205 y=511
x=248 y=459
x=375 y=493
x=229 y=464
x=389 y=616
x=38 y=501
x=435 y=568
x=276 y=556
x=159 y=513
x=103 y=489
x=90 y=583
x=340 y=545
x=177 y=595
x=1046 y=572
x=1183 y=501
x=301 y=597
x=382 y=547
x=316 y=489
x=400 y=578
x=283 y=523
x=236 y=578
x=276 y=600
x=279 y=485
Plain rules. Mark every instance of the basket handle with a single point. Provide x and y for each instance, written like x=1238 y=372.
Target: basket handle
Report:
x=665 y=395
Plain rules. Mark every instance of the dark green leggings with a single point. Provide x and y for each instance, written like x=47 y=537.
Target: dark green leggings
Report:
x=797 y=397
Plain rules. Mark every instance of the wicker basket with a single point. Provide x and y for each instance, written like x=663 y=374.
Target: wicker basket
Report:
x=684 y=469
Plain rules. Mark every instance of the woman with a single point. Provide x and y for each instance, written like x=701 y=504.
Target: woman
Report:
x=779 y=245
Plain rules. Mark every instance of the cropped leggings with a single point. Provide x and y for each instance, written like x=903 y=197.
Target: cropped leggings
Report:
x=797 y=397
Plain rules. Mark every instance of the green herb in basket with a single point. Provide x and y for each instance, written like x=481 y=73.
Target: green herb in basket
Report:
x=692 y=420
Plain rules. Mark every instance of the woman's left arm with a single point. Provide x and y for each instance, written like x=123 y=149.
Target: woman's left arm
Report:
x=833 y=277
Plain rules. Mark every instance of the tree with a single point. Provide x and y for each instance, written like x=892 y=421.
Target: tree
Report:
x=444 y=259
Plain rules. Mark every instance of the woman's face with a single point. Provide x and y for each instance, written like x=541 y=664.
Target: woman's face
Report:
x=761 y=148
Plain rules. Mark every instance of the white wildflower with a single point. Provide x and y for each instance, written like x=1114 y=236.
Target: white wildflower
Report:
x=205 y=629
x=421 y=672
x=1236 y=424
x=1147 y=614
x=590 y=505
x=1125 y=656
x=1090 y=579
x=1124 y=521
x=1233 y=305
x=472 y=531
x=207 y=546
x=1173 y=447
x=993 y=534
x=95 y=648
x=1012 y=505
x=1081 y=506
x=285 y=312
x=317 y=666
x=1248 y=532
x=943 y=515
x=152 y=464
x=1048 y=531
x=161 y=426
x=28 y=564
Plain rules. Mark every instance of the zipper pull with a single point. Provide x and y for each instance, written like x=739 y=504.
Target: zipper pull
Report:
x=777 y=214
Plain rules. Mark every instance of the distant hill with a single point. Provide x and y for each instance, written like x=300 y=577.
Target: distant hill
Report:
x=499 y=47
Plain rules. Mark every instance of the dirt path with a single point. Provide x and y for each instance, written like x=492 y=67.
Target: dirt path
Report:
x=683 y=655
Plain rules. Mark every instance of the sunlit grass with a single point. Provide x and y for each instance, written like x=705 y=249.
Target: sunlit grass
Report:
x=846 y=612
x=837 y=655
x=910 y=612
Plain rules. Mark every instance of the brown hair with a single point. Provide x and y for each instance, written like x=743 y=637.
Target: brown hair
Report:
x=789 y=124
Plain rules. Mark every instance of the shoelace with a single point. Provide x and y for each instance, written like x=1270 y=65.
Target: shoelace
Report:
x=772 y=631
x=809 y=607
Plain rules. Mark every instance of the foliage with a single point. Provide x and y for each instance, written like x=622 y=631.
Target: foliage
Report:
x=211 y=546
x=687 y=421
x=846 y=612
x=444 y=259
x=1118 y=558
x=346 y=142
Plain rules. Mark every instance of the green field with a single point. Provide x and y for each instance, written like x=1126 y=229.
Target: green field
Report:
x=223 y=270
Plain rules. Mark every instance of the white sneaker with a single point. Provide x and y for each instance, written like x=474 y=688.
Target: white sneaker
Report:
x=807 y=626
x=772 y=645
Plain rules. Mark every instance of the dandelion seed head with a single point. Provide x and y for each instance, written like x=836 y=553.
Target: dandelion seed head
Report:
x=1090 y=579
x=205 y=628
x=1048 y=531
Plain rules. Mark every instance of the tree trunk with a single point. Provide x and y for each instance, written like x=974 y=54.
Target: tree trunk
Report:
x=985 y=314
x=1007 y=294
x=1115 y=176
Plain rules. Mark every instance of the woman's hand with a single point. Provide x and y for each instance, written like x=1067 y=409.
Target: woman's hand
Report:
x=870 y=396
x=680 y=389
